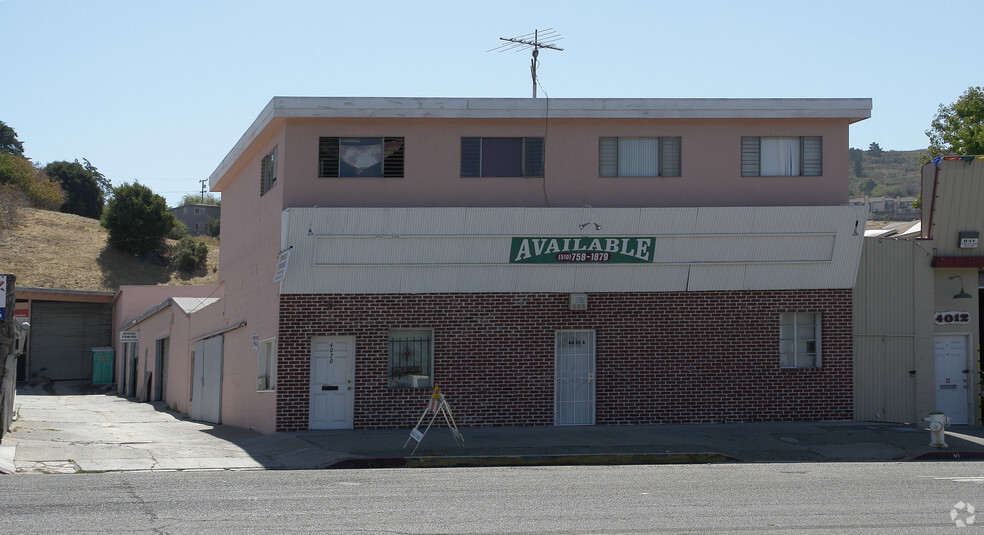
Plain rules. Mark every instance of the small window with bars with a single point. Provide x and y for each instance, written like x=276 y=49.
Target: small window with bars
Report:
x=502 y=157
x=361 y=157
x=782 y=156
x=638 y=156
x=411 y=359
x=268 y=171
x=799 y=340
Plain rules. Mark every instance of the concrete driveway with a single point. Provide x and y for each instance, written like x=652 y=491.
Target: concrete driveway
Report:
x=71 y=427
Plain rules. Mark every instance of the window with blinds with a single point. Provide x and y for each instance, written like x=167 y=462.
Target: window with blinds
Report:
x=502 y=157
x=361 y=157
x=639 y=156
x=781 y=156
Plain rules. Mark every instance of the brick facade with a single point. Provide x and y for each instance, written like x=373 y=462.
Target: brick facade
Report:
x=666 y=357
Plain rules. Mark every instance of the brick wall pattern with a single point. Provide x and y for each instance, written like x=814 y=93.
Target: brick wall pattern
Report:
x=661 y=357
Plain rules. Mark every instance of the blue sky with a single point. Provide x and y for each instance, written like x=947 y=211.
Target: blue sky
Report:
x=159 y=91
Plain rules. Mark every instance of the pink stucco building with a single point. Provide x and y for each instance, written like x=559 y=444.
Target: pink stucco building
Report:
x=547 y=262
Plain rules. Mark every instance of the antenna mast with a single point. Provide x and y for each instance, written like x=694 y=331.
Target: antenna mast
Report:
x=548 y=36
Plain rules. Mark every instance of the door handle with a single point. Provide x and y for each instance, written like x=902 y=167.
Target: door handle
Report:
x=329 y=387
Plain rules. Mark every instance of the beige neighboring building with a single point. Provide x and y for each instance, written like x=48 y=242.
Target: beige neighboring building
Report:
x=917 y=306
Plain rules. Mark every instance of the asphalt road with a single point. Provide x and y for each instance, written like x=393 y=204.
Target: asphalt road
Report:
x=911 y=497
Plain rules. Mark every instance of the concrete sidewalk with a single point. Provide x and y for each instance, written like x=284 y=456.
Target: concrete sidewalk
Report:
x=69 y=428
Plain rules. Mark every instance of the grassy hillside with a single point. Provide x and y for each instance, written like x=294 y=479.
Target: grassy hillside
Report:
x=896 y=172
x=55 y=250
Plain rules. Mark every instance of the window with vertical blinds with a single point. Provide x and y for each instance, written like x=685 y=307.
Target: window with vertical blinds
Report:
x=639 y=156
x=781 y=156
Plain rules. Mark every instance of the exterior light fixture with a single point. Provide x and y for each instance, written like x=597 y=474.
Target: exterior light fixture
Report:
x=962 y=294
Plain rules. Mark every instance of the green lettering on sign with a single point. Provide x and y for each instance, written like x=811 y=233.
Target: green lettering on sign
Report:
x=612 y=250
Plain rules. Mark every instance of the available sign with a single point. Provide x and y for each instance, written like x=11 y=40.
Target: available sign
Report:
x=614 y=250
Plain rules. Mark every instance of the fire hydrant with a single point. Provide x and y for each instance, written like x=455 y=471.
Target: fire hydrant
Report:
x=937 y=421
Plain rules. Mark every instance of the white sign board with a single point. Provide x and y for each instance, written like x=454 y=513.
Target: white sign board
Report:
x=282 y=262
x=129 y=336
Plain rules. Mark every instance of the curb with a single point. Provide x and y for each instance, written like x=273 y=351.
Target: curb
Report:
x=532 y=460
x=950 y=456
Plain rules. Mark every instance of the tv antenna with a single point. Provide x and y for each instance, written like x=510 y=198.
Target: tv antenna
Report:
x=537 y=40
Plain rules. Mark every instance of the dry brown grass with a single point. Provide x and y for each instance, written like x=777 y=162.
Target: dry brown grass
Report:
x=55 y=250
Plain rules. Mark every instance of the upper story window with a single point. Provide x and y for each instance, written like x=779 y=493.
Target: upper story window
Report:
x=781 y=156
x=361 y=157
x=268 y=171
x=639 y=156
x=501 y=157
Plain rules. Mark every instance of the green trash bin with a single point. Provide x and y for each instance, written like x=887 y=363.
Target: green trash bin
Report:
x=102 y=365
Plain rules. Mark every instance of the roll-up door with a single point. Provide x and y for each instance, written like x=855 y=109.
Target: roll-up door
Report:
x=63 y=335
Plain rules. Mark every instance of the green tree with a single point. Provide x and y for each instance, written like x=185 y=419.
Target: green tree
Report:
x=858 y=169
x=9 y=144
x=196 y=198
x=137 y=219
x=958 y=129
x=867 y=186
x=104 y=184
x=874 y=149
x=83 y=194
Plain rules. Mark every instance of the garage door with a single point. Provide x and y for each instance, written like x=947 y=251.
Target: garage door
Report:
x=63 y=335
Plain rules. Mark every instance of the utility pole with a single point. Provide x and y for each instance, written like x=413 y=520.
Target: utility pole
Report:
x=539 y=40
x=203 y=181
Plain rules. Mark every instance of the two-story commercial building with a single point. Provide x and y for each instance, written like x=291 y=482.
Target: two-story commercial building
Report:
x=546 y=262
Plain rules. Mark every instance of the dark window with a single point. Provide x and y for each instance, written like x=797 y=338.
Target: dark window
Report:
x=361 y=157
x=268 y=171
x=502 y=157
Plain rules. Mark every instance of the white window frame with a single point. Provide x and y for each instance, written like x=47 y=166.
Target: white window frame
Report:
x=266 y=368
x=399 y=377
x=639 y=156
x=800 y=339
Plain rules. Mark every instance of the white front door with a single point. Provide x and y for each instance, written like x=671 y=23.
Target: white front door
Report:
x=332 y=382
x=574 y=384
x=951 y=378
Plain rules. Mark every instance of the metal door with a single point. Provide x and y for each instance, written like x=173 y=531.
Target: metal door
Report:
x=951 y=378
x=332 y=382
x=160 y=369
x=206 y=389
x=574 y=384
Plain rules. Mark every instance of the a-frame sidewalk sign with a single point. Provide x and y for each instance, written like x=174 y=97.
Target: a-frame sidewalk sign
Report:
x=437 y=404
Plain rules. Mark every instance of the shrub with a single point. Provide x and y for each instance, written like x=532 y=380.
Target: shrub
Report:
x=179 y=231
x=212 y=227
x=11 y=200
x=192 y=255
